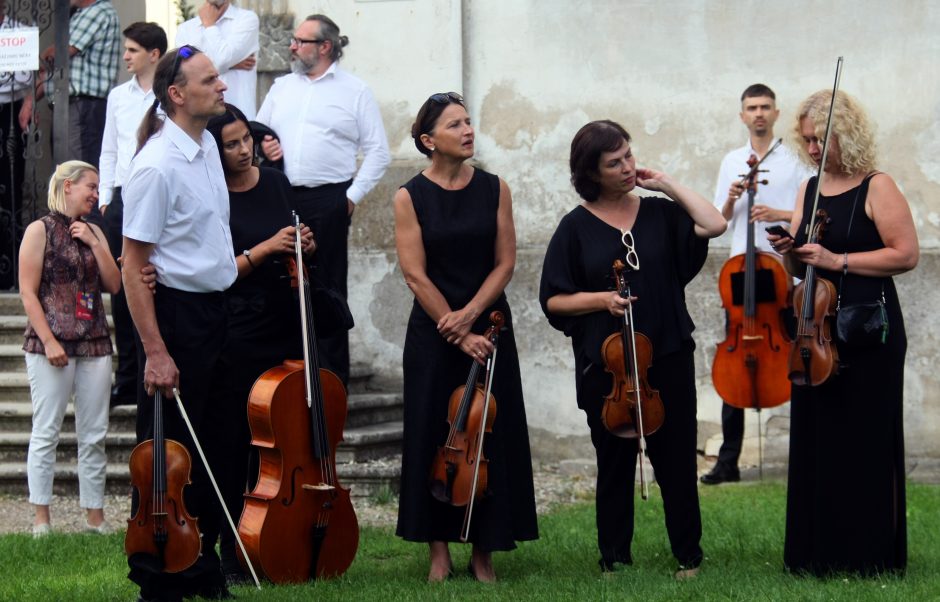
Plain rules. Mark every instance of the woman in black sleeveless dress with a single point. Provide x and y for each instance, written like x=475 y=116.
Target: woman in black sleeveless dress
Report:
x=456 y=246
x=845 y=493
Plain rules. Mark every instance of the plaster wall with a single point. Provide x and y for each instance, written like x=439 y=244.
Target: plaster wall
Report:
x=534 y=71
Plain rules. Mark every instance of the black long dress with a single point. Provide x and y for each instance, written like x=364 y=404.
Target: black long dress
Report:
x=458 y=229
x=264 y=329
x=580 y=257
x=845 y=494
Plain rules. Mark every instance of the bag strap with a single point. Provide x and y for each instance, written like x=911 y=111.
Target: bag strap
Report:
x=848 y=234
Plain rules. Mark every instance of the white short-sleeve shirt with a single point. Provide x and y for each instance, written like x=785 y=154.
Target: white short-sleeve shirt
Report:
x=784 y=175
x=176 y=198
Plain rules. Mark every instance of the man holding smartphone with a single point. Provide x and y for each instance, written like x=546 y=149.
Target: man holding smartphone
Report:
x=773 y=205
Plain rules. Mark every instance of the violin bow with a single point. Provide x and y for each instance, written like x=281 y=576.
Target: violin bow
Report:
x=490 y=373
x=825 y=152
x=215 y=486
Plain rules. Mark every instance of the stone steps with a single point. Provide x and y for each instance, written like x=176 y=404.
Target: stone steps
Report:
x=368 y=460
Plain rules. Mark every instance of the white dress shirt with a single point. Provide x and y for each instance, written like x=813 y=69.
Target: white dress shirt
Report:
x=323 y=123
x=230 y=41
x=127 y=105
x=785 y=172
x=176 y=198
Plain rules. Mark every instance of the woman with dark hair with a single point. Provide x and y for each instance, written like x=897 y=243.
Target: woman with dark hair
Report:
x=263 y=314
x=846 y=464
x=664 y=243
x=457 y=250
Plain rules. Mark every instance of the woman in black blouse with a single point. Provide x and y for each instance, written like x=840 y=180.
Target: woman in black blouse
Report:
x=263 y=313
x=664 y=243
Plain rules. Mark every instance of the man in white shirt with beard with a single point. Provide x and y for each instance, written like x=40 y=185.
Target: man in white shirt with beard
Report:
x=144 y=44
x=229 y=36
x=324 y=117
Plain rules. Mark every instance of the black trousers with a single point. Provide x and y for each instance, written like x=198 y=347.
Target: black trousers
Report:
x=325 y=210
x=193 y=327
x=87 y=115
x=12 y=170
x=125 y=377
x=732 y=433
x=671 y=450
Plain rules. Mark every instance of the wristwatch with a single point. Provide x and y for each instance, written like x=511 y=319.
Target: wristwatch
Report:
x=247 y=254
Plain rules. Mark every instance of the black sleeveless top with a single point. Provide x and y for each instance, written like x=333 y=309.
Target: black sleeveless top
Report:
x=458 y=229
x=838 y=239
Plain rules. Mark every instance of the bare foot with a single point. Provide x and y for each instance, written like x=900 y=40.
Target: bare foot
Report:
x=481 y=566
x=441 y=565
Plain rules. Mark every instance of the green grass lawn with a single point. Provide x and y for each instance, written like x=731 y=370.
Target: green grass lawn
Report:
x=743 y=542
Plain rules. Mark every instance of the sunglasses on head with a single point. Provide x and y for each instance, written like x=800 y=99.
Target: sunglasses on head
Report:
x=445 y=98
x=185 y=52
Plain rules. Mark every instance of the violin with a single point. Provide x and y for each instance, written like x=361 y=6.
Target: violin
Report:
x=298 y=522
x=813 y=356
x=162 y=527
x=751 y=365
x=459 y=471
x=632 y=409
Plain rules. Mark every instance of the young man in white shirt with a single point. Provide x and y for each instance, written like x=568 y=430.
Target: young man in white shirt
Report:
x=176 y=217
x=229 y=36
x=144 y=44
x=772 y=205
x=325 y=116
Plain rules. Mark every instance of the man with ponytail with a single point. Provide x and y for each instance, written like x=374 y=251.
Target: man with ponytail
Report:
x=176 y=217
x=319 y=145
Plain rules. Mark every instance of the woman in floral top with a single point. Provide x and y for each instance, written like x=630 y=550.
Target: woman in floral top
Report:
x=65 y=263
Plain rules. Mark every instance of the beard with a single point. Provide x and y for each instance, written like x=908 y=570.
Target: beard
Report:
x=300 y=66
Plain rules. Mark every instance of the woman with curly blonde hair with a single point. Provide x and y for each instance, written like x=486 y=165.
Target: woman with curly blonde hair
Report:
x=845 y=493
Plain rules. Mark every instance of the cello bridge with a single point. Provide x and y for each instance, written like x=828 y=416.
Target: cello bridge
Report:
x=753 y=337
x=318 y=487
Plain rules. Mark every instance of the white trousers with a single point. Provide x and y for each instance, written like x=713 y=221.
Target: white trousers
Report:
x=51 y=389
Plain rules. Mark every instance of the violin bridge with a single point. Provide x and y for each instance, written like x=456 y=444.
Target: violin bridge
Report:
x=753 y=337
x=318 y=487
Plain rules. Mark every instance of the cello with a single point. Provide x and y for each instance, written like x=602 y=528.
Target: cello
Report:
x=298 y=523
x=814 y=359
x=751 y=365
x=162 y=527
x=459 y=471
x=632 y=409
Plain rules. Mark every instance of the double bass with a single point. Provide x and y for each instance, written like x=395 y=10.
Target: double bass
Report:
x=298 y=522
x=459 y=471
x=632 y=409
x=751 y=365
x=162 y=528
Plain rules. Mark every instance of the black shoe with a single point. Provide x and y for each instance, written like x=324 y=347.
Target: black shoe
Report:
x=237 y=578
x=721 y=474
x=212 y=592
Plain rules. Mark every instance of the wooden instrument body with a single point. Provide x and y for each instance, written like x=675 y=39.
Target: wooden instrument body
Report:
x=452 y=470
x=813 y=335
x=751 y=365
x=298 y=523
x=619 y=413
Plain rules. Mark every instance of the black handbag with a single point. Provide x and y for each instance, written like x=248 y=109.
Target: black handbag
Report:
x=860 y=324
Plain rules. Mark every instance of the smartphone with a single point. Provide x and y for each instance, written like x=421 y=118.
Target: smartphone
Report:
x=778 y=230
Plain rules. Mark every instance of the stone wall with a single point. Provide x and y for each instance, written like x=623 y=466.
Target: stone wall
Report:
x=534 y=71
